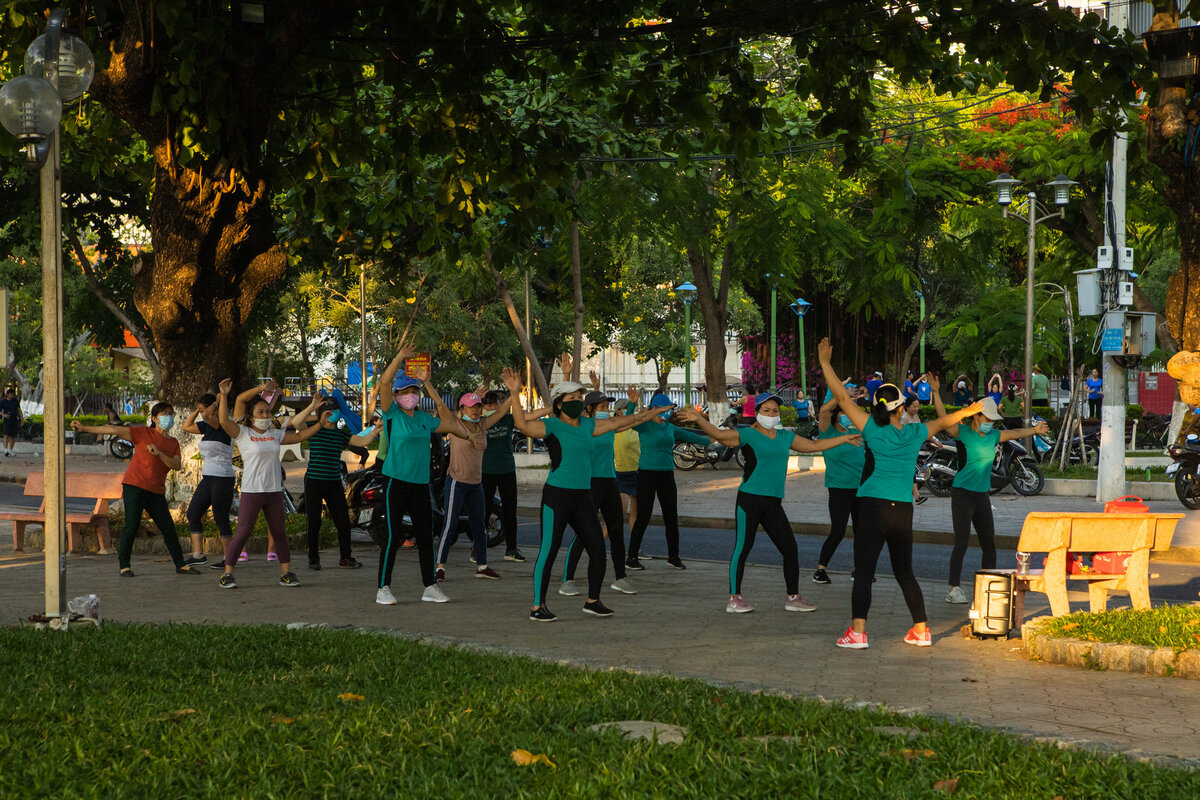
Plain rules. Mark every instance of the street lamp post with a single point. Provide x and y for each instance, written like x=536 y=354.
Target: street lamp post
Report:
x=800 y=307
x=1004 y=184
x=687 y=293
x=921 y=297
x=774 y=351
x=58 y=68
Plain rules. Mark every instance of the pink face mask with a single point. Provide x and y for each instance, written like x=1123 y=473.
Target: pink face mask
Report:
x=409 y=401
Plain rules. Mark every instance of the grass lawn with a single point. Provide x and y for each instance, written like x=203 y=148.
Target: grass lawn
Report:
x=1176 y=626
x=1084 y=472
x=192 y=711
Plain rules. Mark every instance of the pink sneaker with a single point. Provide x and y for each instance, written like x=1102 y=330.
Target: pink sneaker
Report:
x=922 y=639
x=797 y=603
x=272 y=556
x=853 y=641
x=737 y=605
x=243 y=557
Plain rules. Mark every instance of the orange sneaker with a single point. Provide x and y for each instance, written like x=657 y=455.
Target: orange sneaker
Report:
x=922 y=639
x=853 y=641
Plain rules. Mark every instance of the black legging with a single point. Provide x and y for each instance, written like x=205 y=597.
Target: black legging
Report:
x=651 y=482
x=332 y=494
x=1094 y=407
x=507 y=484
x=753 y=510
x=607 y=499
x=967 y=508
x=560 y=508
x=403 y=496
x=884 y=522
x=216 y=492
x=843 y=506
x=136 y=500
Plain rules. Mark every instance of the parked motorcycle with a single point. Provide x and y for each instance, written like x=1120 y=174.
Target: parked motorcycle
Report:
x=937 y=464
x=120 y=448
x=1186 y=469
x=520 y=443
x=688 y=456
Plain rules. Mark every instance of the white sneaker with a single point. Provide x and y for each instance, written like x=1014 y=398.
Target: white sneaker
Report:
x=385 y=597
x=623 y=586
x=434 y=594
x=955 y=595
x=568 y=588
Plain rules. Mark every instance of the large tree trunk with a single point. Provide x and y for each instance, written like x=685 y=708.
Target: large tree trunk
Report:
x=713 y=300
x=539 y=375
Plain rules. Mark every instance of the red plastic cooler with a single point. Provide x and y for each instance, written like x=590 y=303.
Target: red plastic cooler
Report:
x=1118 y=563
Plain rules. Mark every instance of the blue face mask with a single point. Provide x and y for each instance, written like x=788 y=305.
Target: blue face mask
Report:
x=165 y=422
x=986 y=427
x=844 y=421
x=467 y=419
x=335 y=416
x=665 y=414
x=601 y=415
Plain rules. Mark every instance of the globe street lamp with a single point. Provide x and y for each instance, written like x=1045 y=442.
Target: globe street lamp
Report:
x=1004 y=184
x=687 y=293
x=800 y=308
x=59 y=67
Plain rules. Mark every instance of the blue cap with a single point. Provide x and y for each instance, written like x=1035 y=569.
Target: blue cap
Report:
x=404 y=382
x=763 y=397
x=660 y=400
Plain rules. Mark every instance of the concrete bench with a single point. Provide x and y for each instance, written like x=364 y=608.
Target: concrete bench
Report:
x=1057 y=533
x=99 y=486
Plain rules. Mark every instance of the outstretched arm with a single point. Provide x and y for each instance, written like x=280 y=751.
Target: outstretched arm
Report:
x=802 y=444
x=1041 y=429
x=722 y=435
x=856 y=414
x=529 y=427
x=102 y=430
x=364 y=439
x=603 y=426
x=294 y=437
x=935 y=383
x=944 y=423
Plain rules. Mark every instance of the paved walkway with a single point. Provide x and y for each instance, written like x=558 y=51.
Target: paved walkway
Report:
x=677 y=625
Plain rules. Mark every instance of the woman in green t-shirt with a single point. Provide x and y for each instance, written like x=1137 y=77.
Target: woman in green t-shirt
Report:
x=567 y=495
x=1012 y=406
x=767 y=448
x=843 y=474
x=970 y=495
x=885 y=499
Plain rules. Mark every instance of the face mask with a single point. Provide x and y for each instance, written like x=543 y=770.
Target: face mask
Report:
x=165 y=422
x=489 y=412
x=601 y=415
x=335 y=416
x=986 y=427
x=409 y=401
x=572 y=408
x=665 y=414
x=961 y=385
x=466 y=418
x=262 y=424
x=768 y=422
x=844 y=421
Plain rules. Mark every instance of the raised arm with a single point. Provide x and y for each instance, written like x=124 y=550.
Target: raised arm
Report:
x=189 y=424
x=1041 y=429
x=802 y=444
x=298 y=422
x=945 y=423
x=239 y=408
x=825 y=415
x=527 y=426
x=498 y=414
x=389 y=376
x=722 y=435
x=856 y=414
x=229 y=426
x=935 y=383
x=297 y=436
x=448 y=423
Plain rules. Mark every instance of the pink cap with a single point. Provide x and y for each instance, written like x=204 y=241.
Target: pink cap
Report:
x=469 y=399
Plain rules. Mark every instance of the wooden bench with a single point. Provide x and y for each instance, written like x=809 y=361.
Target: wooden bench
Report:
x=98 y=486
x=1056 y=533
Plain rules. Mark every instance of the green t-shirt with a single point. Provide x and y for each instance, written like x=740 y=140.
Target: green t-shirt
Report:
x=1040 y=387
x=766 y=461
x=844 y=463
x=1013 y=407
x=325 y=454
x=658 y=442
x=603 y=463
x=498 y=457
x=892 y=460
x=570 y=453
x=976 y=452
x=408 y=444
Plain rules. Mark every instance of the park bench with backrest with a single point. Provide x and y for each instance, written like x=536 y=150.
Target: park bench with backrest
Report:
x=1058 y=533
x=98 y=486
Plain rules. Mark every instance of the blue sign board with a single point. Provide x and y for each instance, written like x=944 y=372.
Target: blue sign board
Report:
x=1110 y=341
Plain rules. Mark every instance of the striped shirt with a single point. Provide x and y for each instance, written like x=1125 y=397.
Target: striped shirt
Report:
x=325 y=454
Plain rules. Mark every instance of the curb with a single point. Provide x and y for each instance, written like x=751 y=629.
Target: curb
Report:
x=1159 y=662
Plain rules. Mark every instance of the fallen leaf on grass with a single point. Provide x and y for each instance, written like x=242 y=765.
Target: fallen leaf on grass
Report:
x=282 y=719
x=915 y=754
x=524 y=758
x=350 y=697
x=175 y=716
x=1070 y=626
x=948 y=786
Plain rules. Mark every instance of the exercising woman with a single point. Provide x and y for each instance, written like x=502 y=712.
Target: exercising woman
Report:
x=262 y=479
x=217 y=478
x=606 y=494
x=760 y=497
x=970 y=494
x=843 y=474
x=656 y=477
x=885 y=500
x=407 y=471
x=144 y=487
x=567 y=495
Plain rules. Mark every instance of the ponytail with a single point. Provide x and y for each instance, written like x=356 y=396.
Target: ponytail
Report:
x=886 y=395
x=880 y=415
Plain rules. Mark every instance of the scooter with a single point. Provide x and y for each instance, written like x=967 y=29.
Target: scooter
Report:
x=938 y=464
x=1186 y=469
x=688 y=456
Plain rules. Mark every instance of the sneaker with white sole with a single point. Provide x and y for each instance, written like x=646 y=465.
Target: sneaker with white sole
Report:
x=955 y=595
x=542 y=614
x=597 y=609
x=797 y=603
x=568 y=589
x=434 y=594
x=623 y=586
x=514 y=555
x=820 y=576
x=922 y=639
x=737 y=605
x=487 y=573
x=853 y=641
x=227 y=581
x=289 y=580
x=384 y=596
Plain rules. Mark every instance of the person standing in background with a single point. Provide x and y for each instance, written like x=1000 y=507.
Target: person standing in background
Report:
x=962 y=391
x=1039 y=388
x=924 y=390
x=627 y=448
x=10 y=409
x=1095 y=390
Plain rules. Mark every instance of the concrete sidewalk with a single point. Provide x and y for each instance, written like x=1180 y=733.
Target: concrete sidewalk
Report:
x=676 y=625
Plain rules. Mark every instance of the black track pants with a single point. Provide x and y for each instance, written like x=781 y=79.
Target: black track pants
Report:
x=607 y=499
x=843 y=506
x=560 y=508
x=969 y=508
x=660 y=483
x=754 y=510
x=885 y=522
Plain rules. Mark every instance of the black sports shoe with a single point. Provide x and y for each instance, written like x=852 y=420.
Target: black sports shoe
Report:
x=127 y=573
x=315 y=566
x=676 y=562
x=820 y=577
x=542 y=614
x=514 y=555
x=633 y=563
x=597 y=609
x=920 y=499
x=227 y=581
x=219 y=564
x=350 y=563
x=288 y=579
x=186 y=569
x=196 y=561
